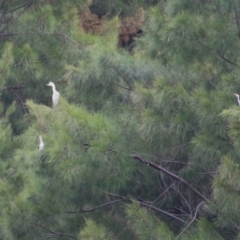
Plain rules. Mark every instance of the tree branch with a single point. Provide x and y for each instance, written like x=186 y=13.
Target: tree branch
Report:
x=15 y=9
x=237 y=17
x=25 y=6
x=144 y=204
x=43 y=33
x=220 y=55
x=9 y=175
x=194 y=218
x=172 y=175
x=56 y=233
x=183 y=146
x=95 y=208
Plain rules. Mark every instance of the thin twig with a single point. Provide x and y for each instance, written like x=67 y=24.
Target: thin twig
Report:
x=194 y=218
x=23 y=105
x=163 y=192
x=9 y=175
x=16 y=18
x=56 y=233
x=183 y=146
x=13 y=10
x=42 y=33
x=144 y=204
x=186 y=202
x=95 y=208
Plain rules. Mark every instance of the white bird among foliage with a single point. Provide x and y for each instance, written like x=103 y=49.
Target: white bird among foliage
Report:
x=237 y=98
x=41 y=144
x=55 y=96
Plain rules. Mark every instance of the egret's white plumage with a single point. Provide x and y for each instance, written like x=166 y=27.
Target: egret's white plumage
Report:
x=41 y=144
x=237 y=98
x=55 y=96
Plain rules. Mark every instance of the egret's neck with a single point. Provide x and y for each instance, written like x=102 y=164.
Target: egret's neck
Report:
x=40 y=138
x=53 y=88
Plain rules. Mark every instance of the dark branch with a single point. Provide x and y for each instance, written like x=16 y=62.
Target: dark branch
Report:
x=144 y=204
x=161 y=211
x=9 y=175
x=179 y=151
x=220 y=55
x=172 y=175
x=96 y=208
x=237 y=16
x=17 y=8
x=172 y=160
x=194 y=218
x=56 y=233
x=15 y=88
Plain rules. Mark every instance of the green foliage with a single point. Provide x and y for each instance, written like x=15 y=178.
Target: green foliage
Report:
x=93 y=232
x=203 y=230
x=147 y=226
x=142 y=144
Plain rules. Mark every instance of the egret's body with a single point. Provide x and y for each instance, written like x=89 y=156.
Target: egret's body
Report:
x=41 y=144
x=237 y=98
x=55 y=96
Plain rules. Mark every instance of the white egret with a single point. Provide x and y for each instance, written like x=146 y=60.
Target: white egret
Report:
x=41 y=144
x=55 y=96
x=237 y=98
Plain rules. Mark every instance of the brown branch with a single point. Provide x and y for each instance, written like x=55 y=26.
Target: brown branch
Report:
x=95 y=208
x=56 y=233
x=172 y=175
x=194 y=218
x=144 y=204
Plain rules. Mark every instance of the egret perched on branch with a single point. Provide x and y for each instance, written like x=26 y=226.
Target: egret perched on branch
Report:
x=237 y=98
x=41 y=144
x=55 y=96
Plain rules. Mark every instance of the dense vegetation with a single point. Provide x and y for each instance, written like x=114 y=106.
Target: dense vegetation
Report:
x=145 y=140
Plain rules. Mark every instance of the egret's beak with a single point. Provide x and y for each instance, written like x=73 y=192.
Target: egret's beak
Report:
x=47 y=84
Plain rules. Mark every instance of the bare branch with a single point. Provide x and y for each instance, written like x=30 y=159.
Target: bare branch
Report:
x=96 y=208
x=161 y=211
x=172 y=175
x=194 y=218
x=163 y=192
x=183 y=146
x=144 y=204
x=220 y=55
x=186 y=202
